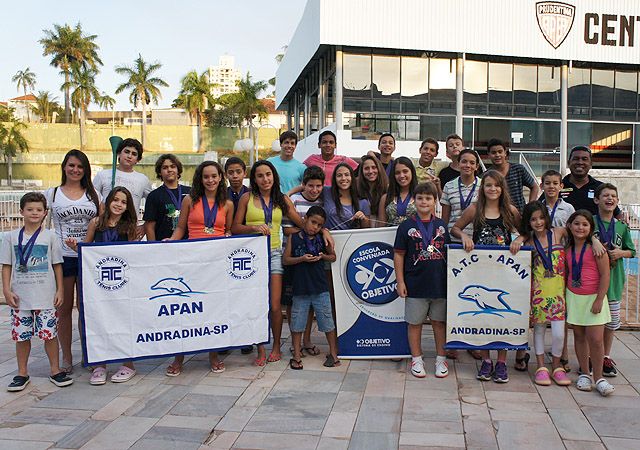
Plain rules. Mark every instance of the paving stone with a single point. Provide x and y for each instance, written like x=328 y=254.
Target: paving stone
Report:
x=236 y=418
x=84 y=396
x=611 y=421
x=439 y=410
x=584 y=445
x=339 y=425
x=203 y=405
x=24 y=445
x=276 y=441
x=385 y=384
x=176 y=435
x=197 y=423
x=379 y=414
x=620 y=444
x=122 y=433
x=417 y=425
x=348 y=401
x=525 y=435
x=53 y=416
x=206 y=389
x=355 y=382
x=572 y=425
x=309 y=381
x=115 y=408
x=33 y=431
x=160 y=444
x=161 y=400
x=480 y=434
x=80 y=435
x=220 y=440
x=432 y=439
x=364 y=440
x=329 y=443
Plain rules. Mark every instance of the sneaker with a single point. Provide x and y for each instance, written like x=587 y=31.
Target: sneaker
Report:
x=560 y=377
x=609 y=368
x=542 y=377
x=442 y=369
x=99 y=376
x=484 y=374
x=417 y=368
x=584 y=383
x=61 y=379
x=604 y=387
x=500 y=375
x=18 y=383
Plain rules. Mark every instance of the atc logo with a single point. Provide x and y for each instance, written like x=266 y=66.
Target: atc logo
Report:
x=555 y=20
x=242 y=264
x=370 y=273
x=111 y=273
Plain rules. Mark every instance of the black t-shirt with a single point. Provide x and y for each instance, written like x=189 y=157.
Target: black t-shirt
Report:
x=159 y=208
x=580 y=198
x=308 y=278
x=447 y=174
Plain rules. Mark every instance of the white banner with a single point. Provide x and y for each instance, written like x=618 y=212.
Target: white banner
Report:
x=369 y=313
x=488 y=298
x=146 y=299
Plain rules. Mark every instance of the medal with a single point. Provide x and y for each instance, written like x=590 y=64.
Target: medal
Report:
x=402 y=205
x=576 y=283
x=548 y=274
x=208 y=230
x=547 y=262
x=607 y=235
x=465 y=202
x=25 y=252
x=209 y=214
x=268 y=210
x=427 y=236
x=313 y=244
x=177 y=202
x=576 y=266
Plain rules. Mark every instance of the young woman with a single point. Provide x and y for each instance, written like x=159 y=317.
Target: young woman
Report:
x=343 y=207
x=372 y=184
x=398 y=203
x=461 y=192
x=73 y=205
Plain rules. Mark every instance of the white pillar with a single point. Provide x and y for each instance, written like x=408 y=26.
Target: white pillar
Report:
x=338 y=97
x=459 y=95
x=564 y=82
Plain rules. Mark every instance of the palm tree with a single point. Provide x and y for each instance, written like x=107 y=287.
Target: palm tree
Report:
x=108 y=103
x=83 y=83
x=25 y=79
x=46 y=105
x=12 y=141
x=195 y=96
x=144 y=87
x=69 y=46
x=247 y=105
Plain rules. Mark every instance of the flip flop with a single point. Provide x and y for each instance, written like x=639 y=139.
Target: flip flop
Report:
x=67 y=368
x=525 y=361
x=295 y=364
x=313 y=350
x=272 y=358
x=173 y=370
x=331 y=361
x=218 y=367
x=260 y=362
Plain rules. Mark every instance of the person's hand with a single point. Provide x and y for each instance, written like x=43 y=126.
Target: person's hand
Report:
x=359 y=216
x=139 y=232
x=328 y=239
x=58 y=299
x=309 y=258
x=597 y=248
x=227 y=234
x=72 y=243
x=515 y=246
x=262 y=229
x=467 y=243
x=596 y=307
x=616 y=254
x=401 y=288
x=11 y=298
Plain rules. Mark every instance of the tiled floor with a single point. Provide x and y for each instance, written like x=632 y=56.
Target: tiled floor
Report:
x=360 y=405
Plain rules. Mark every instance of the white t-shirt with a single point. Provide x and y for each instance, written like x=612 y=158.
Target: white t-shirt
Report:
x=137 y=183
x=70 y=218
x=36 y=288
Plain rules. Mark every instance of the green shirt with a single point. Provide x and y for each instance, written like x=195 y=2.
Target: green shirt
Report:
x=623 y=241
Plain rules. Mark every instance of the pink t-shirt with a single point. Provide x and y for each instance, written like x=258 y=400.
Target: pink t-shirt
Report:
x=329 y=166
x=590 y=275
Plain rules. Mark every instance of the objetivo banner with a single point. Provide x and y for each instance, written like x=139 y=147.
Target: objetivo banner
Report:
x=488 y=298
x=370 y=315
x=151 y=299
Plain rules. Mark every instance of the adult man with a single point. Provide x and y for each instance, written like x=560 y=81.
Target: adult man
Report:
x=327 y=160
x=290 y=170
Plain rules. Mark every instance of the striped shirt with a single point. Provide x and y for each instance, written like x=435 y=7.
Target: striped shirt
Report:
x=451 y=197
x=516 y=178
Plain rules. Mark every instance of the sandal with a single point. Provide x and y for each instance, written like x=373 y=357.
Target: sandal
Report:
x=274 y=358
x=331 y=361
x=313 y=350
x=217 y=367
x=67 y=367
x=260 y=362
x=295 y=364
x=98 y=377
x=522 y=364
x=123 y=375
x=174 y=369
x=475 y=354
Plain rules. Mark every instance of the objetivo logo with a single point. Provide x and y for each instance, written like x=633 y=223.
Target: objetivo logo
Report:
x=242 y=264
x=370 y=273
x=111 y=273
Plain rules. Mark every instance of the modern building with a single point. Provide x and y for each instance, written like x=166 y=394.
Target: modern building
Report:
x=544 y=75
x=224 y=76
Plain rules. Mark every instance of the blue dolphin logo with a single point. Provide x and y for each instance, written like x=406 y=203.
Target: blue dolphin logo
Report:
x=489 y=301
x=173 y=287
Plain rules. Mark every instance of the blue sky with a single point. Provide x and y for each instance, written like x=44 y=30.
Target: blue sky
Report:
x=182 y=35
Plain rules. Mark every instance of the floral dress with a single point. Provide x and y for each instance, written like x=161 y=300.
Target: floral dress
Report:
x=393 y=218
x=547 y=293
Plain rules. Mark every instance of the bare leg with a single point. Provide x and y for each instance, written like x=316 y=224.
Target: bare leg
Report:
x=51 y=347
x=297 y=345
x=502 y=355
x=581 y=348
x=608 y=341
x=415 y=339
x=440 y=336
x=332 y=339
x=596 y=348
x=23 y=348
x=65 y=320
x=276 y=314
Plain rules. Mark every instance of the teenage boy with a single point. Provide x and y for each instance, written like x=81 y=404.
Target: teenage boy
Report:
x=421 y=274
x=327 y=160
x=128 y=153
x=616 y=237
x=515 y=174
x=306 y=254
x=427 y=169
x=289 y=169
x=386 y=147
x=31 y=260
x=559 y=210
x=454 y=145
x=236 y=171
x=162 y=208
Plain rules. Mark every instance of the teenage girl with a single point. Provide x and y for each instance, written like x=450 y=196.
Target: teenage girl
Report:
x=73 y=204
x=372 y=184
x=118 y=223
x=587 y=307
x=261 y=211
x=398 y=203
x=461 y=192
x=341 y=203
x=206 y=213
x=494 y=219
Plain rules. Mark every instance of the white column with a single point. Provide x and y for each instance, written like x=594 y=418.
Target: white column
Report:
x=564 y=82
x=459 y=95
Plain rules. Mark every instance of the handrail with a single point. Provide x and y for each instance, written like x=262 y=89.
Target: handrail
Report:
x=523 y=160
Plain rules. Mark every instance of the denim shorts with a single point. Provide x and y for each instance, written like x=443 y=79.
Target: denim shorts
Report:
x=322 y=306
x=276 y=262
x=69 y=266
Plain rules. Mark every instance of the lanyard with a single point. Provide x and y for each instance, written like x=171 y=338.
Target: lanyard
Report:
x=607 y=235
x=546 y=258
x=402 y=205
x=25 y=252
x=177 y=202
x=465 y=202
x=552 y=213
x=208 y=213
x=388 y=168
x=313 y=244
x=425 y=233
x=268 y=210
x=576 y=266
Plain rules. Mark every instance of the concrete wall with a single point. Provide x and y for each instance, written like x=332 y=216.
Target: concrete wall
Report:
x=627 y=182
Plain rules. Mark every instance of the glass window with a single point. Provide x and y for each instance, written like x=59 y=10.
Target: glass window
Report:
x=612 y=145
x=525 y=84
x=438 y=127
x=300 y=130
x=442 y=79
x=415 y=78
x=356 y=75
x=500 y=83
x=548 y=85
x=386 y=76
x=475 y=81
x=314 y=114
x=602 y=88
x=626 y=90
x=329 y=104
x=579 y=87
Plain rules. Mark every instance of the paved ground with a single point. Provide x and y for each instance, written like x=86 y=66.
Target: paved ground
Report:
x=361 y=405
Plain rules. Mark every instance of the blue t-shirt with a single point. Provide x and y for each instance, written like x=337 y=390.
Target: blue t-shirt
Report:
x=290 y=172
x=308 y=278
x=425 y=272
x=335 y=222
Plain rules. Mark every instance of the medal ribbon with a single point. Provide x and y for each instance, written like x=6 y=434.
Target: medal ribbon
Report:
x=426 y=233
x=388 y=168
x=110 y=234
x=208 y=213
x=25 y=252
x=313 y=245
x=465 y=202
x=607 y=235
x=403 y=204
x=268 y=210
x=546 y=258
x=177 y=202
x=576 y=266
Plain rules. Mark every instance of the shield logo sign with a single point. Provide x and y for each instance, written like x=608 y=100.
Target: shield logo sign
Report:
x=555 y=20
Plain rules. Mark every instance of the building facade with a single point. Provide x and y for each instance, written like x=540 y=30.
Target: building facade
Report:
x=224 y=76
x=543 y=75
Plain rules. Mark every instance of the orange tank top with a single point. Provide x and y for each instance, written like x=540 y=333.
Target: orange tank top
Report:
x=195 y=221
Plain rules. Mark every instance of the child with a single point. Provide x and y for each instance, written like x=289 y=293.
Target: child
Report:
x=289 y=169
x=162 y=208
x=236 y=170
x=386 y=147
x=372 y=184
x=306 y=253
x=454 y=145
x=559 y=210
x=616 y=238
x=461 y=192
x=202 y=220
x=116 y=224
x=427 y=169
x=494 y=219
x=587 y=284
x=31 y=259
x=398 y=203
x=421 y=274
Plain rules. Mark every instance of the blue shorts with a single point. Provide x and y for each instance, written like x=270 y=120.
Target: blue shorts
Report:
x=70 y=266
x=322 y=306
x=276 y=262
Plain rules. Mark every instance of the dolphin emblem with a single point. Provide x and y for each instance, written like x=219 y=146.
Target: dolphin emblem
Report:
x=488 y=300
x=173 y=287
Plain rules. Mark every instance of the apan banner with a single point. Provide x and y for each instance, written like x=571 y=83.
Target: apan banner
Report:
x=488 y=298
x=369 y=313
x=149 y=299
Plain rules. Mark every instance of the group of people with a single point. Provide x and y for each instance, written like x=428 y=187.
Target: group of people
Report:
x=577 y=274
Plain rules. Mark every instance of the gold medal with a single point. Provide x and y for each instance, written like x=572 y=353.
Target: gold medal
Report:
x=208 y=230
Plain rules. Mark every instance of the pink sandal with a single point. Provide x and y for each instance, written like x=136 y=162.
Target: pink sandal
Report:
x=560 y=377
x=542 y=377
x=123 y=375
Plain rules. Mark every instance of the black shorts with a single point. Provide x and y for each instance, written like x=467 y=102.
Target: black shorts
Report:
x=70 y=266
